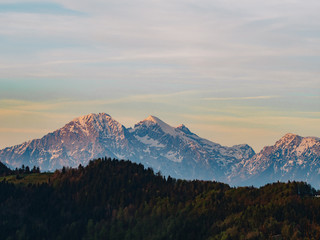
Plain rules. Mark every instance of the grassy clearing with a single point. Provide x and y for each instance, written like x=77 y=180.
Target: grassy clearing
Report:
x=25 y=179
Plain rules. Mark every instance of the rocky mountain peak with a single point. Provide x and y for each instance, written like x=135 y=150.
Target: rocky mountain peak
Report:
x=288 y=142
x=184 y=129
x=94 y=123
x=290 y=137
x=292 y=145
x=291 y=158
x=94 y=119
x=91 y=116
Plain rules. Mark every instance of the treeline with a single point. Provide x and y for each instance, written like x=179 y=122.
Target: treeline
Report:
x=25 y=170
x=111 y=199
x=5 y=171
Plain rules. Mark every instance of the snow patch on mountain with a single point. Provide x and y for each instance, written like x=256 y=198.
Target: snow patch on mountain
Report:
x=149 y=141
x=173 y=156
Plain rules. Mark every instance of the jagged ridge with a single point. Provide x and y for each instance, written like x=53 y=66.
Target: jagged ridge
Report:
x=174 y=151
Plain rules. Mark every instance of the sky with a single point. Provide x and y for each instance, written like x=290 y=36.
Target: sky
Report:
x=232 y=71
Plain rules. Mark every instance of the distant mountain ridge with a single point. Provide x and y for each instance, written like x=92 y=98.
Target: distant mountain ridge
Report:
x=174 y=151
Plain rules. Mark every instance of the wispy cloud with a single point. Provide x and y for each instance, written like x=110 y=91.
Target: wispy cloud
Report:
x=239 y=98
x=15 y=105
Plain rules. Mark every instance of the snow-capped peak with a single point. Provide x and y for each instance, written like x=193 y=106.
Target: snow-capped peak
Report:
x=100 y=122
x=152 y=120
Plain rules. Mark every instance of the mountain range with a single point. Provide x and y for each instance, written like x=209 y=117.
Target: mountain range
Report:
x=174 y=151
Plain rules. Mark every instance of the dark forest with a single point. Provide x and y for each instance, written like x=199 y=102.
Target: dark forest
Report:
x=111 y=199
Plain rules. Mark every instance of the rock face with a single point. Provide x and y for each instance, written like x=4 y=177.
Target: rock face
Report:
x=173 y=151
x=291 y=158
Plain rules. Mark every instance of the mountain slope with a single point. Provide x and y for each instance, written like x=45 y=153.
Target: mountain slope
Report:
x=291 y=158
x=173 y=151
x=193 y=156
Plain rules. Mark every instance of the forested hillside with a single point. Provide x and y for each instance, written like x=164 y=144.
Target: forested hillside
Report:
x=111 y=199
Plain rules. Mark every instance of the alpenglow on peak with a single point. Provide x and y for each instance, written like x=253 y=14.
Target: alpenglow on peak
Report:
x=152 y=120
